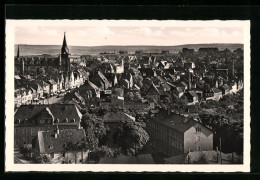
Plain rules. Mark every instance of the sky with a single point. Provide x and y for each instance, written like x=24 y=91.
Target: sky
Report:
x=126 y=35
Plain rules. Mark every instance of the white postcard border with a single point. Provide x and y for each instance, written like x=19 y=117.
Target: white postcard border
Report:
x=9 y=99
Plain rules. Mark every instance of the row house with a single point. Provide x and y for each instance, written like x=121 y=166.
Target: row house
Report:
x=78 y=79
x=22 y=96
x=29 y=119
x=45 y=86
x=173 y=134
x=85 y=74
x=37 y=91
x=53 y=86
x=59 y=81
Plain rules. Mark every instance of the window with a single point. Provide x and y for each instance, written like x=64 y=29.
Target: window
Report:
x=198 y=129
x=197 y=138
x=198 y=148
x=42 y=121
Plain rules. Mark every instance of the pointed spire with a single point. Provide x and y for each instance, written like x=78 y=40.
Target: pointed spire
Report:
x=18 y=52
x=64 y=40
x=64 y=47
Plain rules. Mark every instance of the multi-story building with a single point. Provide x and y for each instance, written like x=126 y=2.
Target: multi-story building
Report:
x=29 y=119
x=174 y=134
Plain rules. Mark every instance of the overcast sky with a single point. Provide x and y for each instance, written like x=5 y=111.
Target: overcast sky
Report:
x=96 y=36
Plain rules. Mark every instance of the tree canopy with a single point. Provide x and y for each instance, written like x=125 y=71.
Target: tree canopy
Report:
x=94 y=128
x=131 y=136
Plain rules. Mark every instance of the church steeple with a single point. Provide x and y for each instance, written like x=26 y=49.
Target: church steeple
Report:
x=64 y=48
x=18 y=52
x=64 y=57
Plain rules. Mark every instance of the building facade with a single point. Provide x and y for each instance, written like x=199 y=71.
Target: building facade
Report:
x=174 y=134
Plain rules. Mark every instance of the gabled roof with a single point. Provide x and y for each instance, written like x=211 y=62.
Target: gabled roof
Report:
x=184 y=84
x=49 y=144
x=215 y=90
x=90 y=85
x=192 y=93
x=104 y=79
x=57 y=111
x=42 y=83
x=35 y=86
x=177 y=121
x=51 y=81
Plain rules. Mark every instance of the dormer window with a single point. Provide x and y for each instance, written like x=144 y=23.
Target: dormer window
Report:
x=198 y=129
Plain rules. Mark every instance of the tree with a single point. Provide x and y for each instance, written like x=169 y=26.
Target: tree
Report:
x=202 y=159
x=102 y=152
x=76 y=147
x=131 y=136
x=94 y=128
x=41 y=158
x=26 y=151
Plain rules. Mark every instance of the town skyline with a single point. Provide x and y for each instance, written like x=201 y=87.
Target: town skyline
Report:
x=128 y=36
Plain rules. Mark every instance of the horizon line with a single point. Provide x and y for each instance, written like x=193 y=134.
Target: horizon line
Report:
x=125 y=45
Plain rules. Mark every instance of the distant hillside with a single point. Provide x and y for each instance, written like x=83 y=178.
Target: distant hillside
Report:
x=28 y=50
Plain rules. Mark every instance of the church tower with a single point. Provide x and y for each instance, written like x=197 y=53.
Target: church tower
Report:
x=65 y=61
